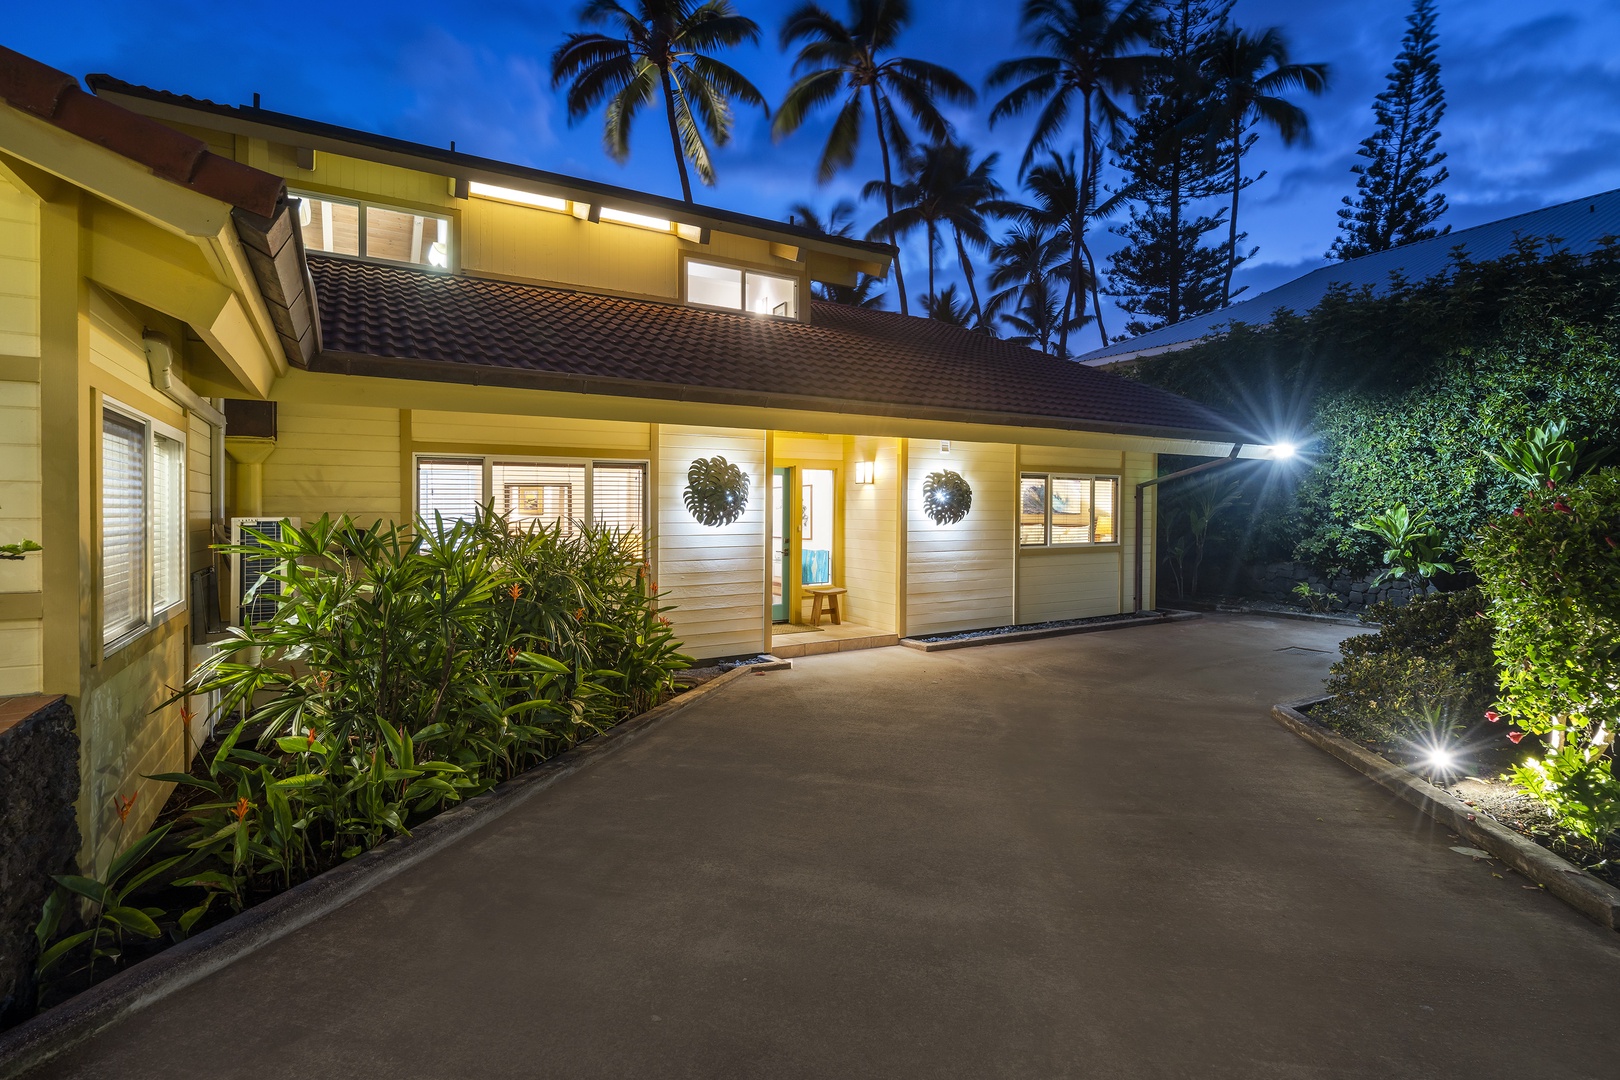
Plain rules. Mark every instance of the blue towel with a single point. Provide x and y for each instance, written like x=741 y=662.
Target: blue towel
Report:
x=817 y=567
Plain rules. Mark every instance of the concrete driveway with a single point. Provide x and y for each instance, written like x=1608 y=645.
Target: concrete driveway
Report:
x=1090 y=857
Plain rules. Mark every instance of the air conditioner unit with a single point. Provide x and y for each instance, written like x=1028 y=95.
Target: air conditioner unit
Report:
x=247 y=606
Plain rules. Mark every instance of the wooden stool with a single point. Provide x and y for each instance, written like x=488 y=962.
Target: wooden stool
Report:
x=829 y=594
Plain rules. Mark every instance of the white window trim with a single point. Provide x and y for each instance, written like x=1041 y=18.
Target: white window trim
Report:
x=801 y=284
x=1049 y=543
x=488 y=462
x=362 y=204
x=155 y=617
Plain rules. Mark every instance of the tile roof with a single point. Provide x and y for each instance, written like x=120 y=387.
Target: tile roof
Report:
x=57 y=98
x=1580 y=226
x=387 y=320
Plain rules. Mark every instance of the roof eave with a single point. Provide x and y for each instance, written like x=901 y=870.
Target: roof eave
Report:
x=345 y=363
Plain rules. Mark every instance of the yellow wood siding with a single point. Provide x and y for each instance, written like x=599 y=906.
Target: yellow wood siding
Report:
x=869 y=533
x=115 y=341
x=473 y=430
x=19 y=272
x=20 y=511
x=960 y=577
x=1072 y=582
x=199 y=493
x=714 y=576
x=21 y=657
x=334 y=459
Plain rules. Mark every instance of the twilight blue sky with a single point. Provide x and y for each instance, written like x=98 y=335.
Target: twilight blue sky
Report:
x=1533 y=93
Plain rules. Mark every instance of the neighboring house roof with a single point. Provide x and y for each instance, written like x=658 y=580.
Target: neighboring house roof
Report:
x=1580 y=226
x=56 y=97
x=405 y=323
x=470 y=166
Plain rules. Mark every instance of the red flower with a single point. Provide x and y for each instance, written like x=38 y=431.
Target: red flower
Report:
x=1551 y=485
x=242 y=807
x=1493 y=716
x=511 y=654
x=1560 y=506
x=1610 y=541
x=311 y=733
x=1518 y=512
x=1514 y=737
x=124 y=806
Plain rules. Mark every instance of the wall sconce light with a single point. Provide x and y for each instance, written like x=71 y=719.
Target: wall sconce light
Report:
x=865 y=472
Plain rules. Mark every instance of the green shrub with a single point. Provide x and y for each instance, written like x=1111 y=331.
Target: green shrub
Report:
x=1552 y=572
x=1429 y=662
x=403 y=670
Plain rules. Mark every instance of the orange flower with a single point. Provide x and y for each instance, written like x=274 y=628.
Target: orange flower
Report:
x=185 y=715
x=311 y=733
x=242 y=807
x=511 y=654
x=515 y=591
x=665 y=620
x=579 y=613
x=124 y=806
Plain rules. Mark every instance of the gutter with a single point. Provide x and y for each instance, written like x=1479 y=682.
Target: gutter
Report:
x=160 y=359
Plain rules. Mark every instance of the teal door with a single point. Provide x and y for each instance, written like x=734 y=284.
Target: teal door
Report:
x=781 y=544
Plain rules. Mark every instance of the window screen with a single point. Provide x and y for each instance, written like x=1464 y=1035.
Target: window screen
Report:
x=531 y=495
x=123 y=525
x=1032 y=510
x=452 y=488
x=618 y=498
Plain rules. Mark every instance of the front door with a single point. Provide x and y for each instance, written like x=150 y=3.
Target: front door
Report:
x=781 y=543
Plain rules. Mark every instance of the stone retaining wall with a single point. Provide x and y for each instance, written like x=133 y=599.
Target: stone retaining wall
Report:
x=39 y=833
x=1274 y=582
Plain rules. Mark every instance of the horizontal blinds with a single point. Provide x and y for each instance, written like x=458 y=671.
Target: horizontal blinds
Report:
x=123 y=525
x=619 y=499
x=1032 y=510
x=1071 y=510
x=168 y=521
x=453 y=488
x=533 y=495
x=1105 y=500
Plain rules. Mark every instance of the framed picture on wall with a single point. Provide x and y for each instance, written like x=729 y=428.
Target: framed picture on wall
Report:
x=807 y=499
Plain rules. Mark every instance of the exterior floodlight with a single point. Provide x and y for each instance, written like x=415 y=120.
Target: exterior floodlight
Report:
x=1282 y=451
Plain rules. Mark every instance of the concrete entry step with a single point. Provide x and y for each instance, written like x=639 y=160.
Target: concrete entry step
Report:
x=812 y=645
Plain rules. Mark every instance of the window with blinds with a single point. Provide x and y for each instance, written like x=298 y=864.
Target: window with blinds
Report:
x=143 y=520
x=1062 y=511
x=536 y=493
x=452 y=488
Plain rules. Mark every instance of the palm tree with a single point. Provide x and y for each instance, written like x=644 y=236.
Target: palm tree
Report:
x=1023 y=265
x=840 y=221
x=1248 y=74
x=664 y=45
x=1087 y=49
x=946 y=307
x=845 y=59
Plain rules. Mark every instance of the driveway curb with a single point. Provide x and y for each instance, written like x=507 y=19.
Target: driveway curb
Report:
x=1036 y=635
x=1590 y=895
x=42 y=1037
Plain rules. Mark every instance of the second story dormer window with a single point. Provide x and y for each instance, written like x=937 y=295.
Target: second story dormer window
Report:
x=369 y=230
x=737 y=288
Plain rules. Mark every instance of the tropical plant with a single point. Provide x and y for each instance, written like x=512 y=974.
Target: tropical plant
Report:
x=1544 y=457
x=1318 y=601
x=1396 y=201
x=663 y=47
x=947 y=497
x=1552 y=572
x=848 y=60
x=1429 y=665
x=1189 y=509
x=1410 y=545
x=1022 y=265
x=19 y=549
x=1087 y=50
x=716 y=491
x=113 y=916
x=944 y=188
x=1248 y=76
x=947 y=307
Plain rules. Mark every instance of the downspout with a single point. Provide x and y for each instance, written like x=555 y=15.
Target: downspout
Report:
x=1154 y=482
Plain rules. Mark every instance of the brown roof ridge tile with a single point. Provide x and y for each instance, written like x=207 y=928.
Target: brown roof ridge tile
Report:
x=56 y=97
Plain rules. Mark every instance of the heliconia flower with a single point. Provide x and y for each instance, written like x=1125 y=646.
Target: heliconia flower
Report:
x=311 y=733
x=1551 y=485
x=186 y=715
x=242 y=807
x=1560 y=506
x=511 y=654
x=124 y=806
x=1514 y=737
x=1493 y=716
x=579 y=613
x=515 y=591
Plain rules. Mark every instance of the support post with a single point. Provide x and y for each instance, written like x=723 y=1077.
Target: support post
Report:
x=1154 y=482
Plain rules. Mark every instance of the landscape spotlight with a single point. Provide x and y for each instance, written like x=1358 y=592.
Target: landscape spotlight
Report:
x=1441 y=760
x=1282 y=451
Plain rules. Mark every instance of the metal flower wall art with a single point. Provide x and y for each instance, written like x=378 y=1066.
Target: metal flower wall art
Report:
x=716 y=491
x=947 y=497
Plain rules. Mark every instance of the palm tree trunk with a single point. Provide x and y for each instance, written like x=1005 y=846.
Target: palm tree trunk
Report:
x=674 y=134
x=888 y=196
x=1232 y=226
x=967 y=272
x=933 y=240
x=1077 y=231
x=1096 y=297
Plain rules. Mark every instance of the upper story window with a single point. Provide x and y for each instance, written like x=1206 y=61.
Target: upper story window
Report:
x=372 y=231
x=737 y=289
